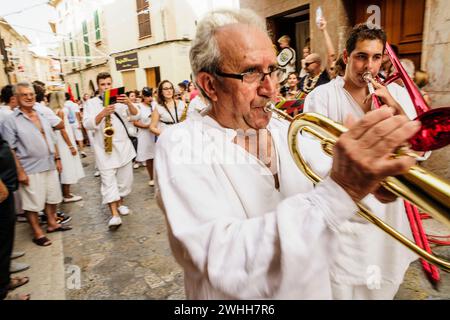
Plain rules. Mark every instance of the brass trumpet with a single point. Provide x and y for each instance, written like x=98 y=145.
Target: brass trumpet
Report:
x=420 y=187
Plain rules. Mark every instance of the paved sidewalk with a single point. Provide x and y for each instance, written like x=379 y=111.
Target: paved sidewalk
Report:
x=135 y=262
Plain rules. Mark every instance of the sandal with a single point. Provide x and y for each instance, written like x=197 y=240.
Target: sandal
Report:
x=43 y=242
x=17 y=282
x=60 y=228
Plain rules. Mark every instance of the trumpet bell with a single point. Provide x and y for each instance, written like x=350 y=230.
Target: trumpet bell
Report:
x=435 y=131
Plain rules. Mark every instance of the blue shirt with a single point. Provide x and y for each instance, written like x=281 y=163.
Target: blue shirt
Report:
x=35 y=153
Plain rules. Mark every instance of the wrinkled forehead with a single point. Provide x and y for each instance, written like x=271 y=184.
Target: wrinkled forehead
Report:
x=241 y=44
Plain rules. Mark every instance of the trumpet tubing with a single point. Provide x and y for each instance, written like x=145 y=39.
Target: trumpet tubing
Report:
x=418 y=186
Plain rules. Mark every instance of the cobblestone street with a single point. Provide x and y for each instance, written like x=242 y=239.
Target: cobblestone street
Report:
x=134 y=262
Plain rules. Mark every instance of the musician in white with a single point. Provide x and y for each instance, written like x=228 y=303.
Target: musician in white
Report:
x=243 y=221
x=286 y=58
x=116 y=169
x=370 y=264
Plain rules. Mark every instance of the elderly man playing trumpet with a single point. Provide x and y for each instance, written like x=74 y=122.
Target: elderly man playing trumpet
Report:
x=243 y=221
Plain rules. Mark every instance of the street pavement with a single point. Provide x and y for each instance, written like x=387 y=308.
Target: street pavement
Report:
x=135 y=262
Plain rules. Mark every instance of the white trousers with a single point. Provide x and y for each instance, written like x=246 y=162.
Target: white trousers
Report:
x=116 y=183
x=44 y=187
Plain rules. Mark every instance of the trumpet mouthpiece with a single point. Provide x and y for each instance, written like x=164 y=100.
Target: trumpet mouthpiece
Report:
x=367 y=76
x=269 y=106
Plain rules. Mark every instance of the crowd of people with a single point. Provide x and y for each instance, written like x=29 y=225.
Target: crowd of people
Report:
x=43 y=136
x=253 y=229
x=313 y=73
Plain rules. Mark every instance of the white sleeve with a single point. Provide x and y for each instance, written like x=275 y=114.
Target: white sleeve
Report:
x=316 y=102
x=89 y=117
x=238 y=254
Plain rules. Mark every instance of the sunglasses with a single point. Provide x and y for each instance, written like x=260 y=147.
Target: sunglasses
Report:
x=307 y=64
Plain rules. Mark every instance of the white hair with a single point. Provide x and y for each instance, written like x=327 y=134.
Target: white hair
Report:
x=22 y=85
x=205 y=54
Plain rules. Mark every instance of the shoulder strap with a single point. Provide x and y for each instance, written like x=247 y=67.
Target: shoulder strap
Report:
x=123 y=123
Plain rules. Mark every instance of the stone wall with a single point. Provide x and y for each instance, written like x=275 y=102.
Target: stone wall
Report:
x=333 y=10
x=436 y=50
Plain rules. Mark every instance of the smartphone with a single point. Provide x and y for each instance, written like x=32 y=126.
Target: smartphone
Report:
x=319 y=16
x=110 y=96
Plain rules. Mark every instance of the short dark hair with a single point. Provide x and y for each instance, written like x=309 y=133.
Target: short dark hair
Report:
x=6 y=94
x=103 y=75
x=67 y=96
x=182 y=85
x=40 y=92
x=363 y=32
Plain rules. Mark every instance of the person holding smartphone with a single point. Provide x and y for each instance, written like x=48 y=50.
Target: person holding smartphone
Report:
x=116 y=168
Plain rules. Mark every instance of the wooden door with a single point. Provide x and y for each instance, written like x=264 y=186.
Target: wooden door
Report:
x=403 y=21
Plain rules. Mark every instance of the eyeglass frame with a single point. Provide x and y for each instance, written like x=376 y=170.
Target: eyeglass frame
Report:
x=307 y=64
x=240 y=76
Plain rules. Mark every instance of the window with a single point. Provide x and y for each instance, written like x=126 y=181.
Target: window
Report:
x=87 y=48
x=72 y=51
x=97 y=26
x=143 y=15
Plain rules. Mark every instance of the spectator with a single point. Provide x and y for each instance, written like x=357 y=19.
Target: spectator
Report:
x=72 y=169
x=32 y=140
x=331 y=52
x=9 y=102
x=75 y=121
x=184 y=94
x=146 y=139
x=305 y=52
x=8 y=184
x=421 y=80
x=286 y=58
x=316 y=76
x=168 y=111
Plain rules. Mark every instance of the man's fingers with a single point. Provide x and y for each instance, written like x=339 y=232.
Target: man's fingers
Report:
x=396 y=138
x=381 y=130
x=395 y=167
x=368 y=121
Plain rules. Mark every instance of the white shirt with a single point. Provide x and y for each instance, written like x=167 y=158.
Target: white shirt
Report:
x=123 y=151
x=236 y=236
x=362 y=244
x=73 y=109
x=48 y=114
x=4 y=112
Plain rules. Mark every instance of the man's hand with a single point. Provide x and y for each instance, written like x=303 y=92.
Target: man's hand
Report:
x=73 y=150
x=123 y=99
x=4 y=193
x=23 y=178
x=58 y=165
x=362 y=156
x=383 y=93
x=322 y=24
x=109 y=110
x=384 y=196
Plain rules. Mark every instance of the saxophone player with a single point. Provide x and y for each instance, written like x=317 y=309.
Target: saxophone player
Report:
x=115 y=166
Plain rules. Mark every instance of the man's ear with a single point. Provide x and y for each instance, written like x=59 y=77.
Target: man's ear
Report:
x=208 y=83
x=345 y=56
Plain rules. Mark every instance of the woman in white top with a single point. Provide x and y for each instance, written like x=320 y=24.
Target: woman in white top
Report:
x=72 y=169
x=146 y=139
x=168 y=111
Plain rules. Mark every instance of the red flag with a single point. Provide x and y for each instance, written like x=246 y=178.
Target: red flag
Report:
x=69 y=91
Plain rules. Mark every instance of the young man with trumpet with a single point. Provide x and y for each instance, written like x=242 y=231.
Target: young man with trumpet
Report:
x=369 y=263
x=243 y=221
x=115 y=166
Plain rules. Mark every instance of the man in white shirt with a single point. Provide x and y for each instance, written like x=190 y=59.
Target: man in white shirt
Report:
x=243 y=221
x=74 y=115
x=364 y=251
x=116 y=167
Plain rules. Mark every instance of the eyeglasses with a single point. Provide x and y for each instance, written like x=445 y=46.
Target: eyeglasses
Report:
x=165 y=89
x=307 y=64
x=253 y=76
x=31 y=95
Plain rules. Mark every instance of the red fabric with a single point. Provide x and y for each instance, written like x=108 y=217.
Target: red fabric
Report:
x=69 y=91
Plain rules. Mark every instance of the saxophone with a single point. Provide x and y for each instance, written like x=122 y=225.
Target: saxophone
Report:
x=108 y=131
x=184 y=114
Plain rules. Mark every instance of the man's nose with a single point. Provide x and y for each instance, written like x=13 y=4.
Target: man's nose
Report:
x=267 y=86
